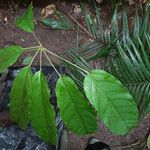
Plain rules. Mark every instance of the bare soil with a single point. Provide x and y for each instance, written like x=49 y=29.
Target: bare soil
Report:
x=135 y=140
x=58 y=41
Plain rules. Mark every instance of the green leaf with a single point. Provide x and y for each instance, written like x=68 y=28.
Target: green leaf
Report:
x=125 y=26
x=115 y=106
x=75 y=111
x=114 y=24
x=20 y=97
x=148 y=142
x=61 y=23
x=8 y=56
x=42 y=113
x=132 y=67
x=25 y=22
x=27 y=60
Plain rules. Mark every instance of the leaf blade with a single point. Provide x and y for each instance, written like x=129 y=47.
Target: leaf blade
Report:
x=115 y=106
x=25 y=22
x=20 y=97
x=8 y=56
x=74 y=109
x=42 y=113
x=61 y=23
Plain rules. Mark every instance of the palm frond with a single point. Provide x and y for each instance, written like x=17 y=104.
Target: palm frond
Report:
x=127 y=52
x=131 y=66
x=74 y=73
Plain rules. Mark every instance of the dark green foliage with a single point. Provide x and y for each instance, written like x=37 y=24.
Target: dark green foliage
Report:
x=20 y=97
x=125 y=52
x=108 y=95
x=60 y=23
x=8 y=56
x=131 y=66
x=75 y=111
x=26 y=22
x=42 y=114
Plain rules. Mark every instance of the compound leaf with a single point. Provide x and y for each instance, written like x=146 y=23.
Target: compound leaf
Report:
x=25 y=22
x=20 y=97
x=74 y=108
x=42 y=113
x=8 y=56
x=115 y=106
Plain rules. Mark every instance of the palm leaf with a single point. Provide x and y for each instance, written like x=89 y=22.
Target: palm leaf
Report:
x=74 y=73
x=132 y=67
x=127 y=54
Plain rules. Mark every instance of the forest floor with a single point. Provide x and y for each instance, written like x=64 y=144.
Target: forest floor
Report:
x=58 y=42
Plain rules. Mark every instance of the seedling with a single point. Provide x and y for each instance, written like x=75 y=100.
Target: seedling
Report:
x=105 y=96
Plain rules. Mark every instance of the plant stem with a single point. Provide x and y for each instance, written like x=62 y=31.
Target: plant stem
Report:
x=61 y=58
x=66 y=61
x=33 y=47
x=41 y=59
x=52 y=64
x=37 y=39
x=29 y=50
x=78 y=30
x=33 y=58
x=86 y=31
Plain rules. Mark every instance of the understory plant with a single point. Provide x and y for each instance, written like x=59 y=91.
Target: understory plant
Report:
x=128 y=58
x=122 y=48
x=102 y=95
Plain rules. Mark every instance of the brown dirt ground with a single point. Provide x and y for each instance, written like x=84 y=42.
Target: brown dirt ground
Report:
x=135 y=139
x=58 y=41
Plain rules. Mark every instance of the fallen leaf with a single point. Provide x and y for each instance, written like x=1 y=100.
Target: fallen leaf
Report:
x=48 y=10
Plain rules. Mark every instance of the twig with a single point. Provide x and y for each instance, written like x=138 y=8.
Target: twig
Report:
x=50 y=52
x=52 y=64
x=127 y=146
x=33 y=58
x=78 y=30
x=37 y=39
x=33 y=47
x=66 y=61
x=41 y=51
x=85 y=30
x=9 y=4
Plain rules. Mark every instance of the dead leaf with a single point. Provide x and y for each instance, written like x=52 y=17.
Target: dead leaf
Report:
x=77 y=9
x=99 y=1
x=48 y=10
x=131 y=2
